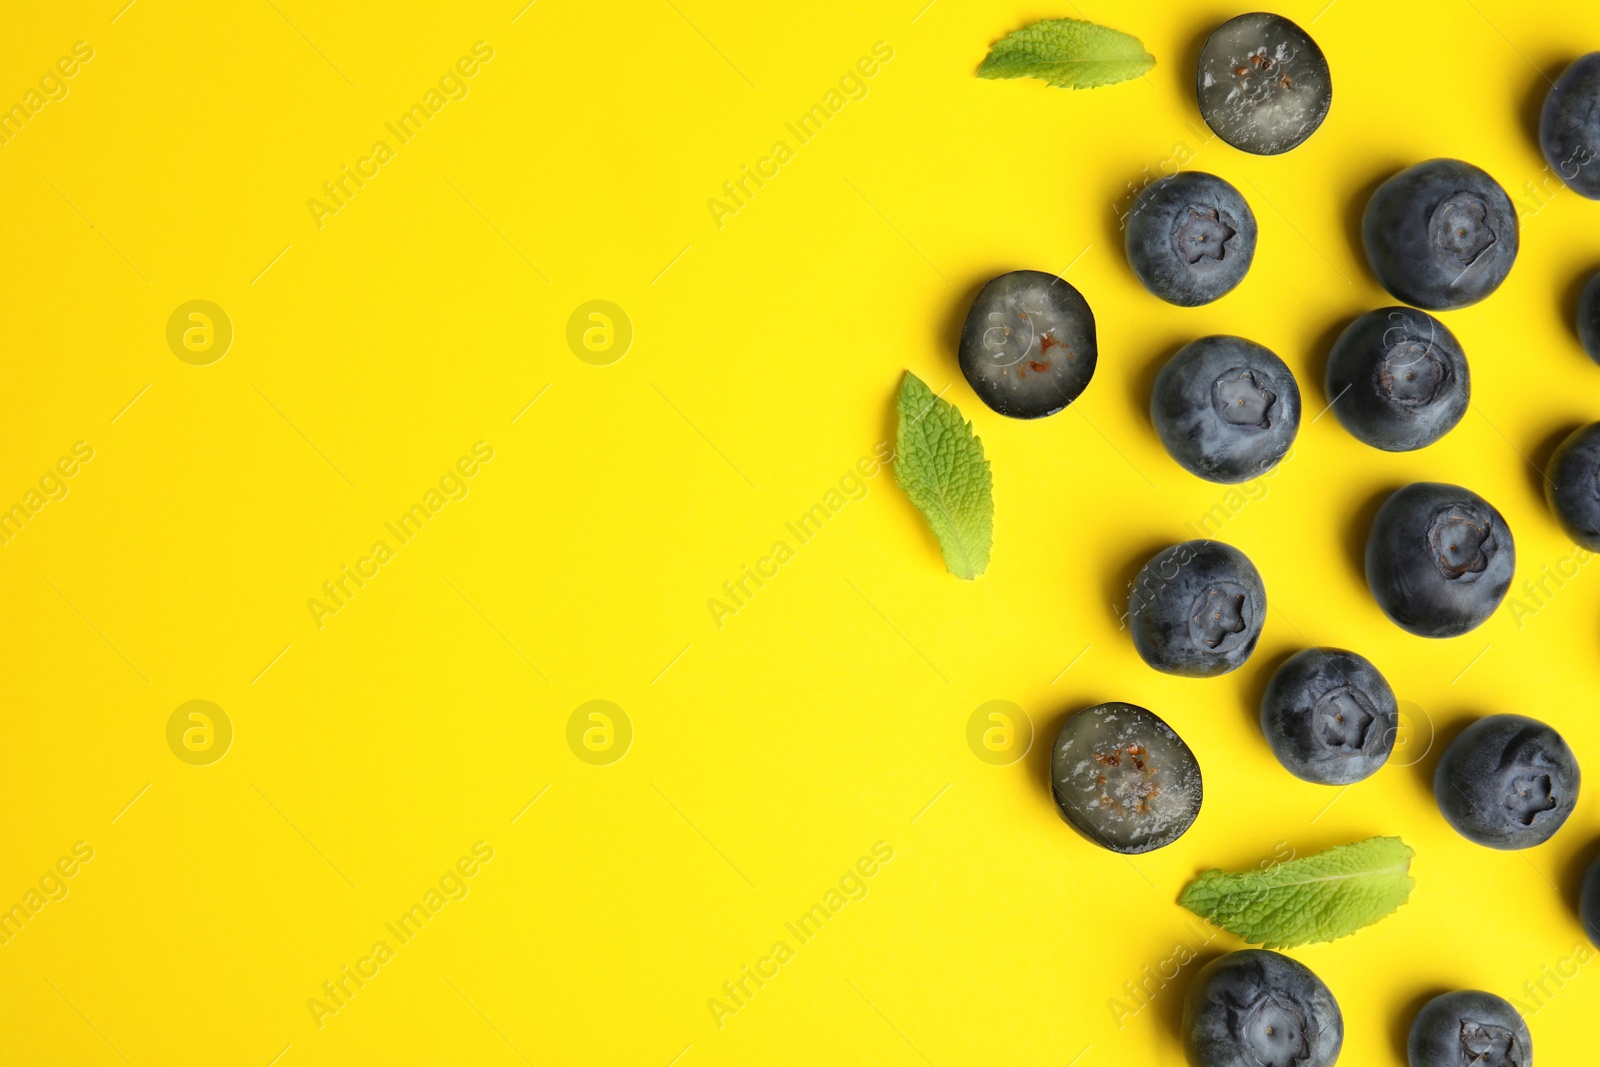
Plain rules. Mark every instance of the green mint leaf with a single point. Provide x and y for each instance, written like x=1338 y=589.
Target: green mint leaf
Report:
x=940 y=465
x=1318 y=898
x=1067 y=53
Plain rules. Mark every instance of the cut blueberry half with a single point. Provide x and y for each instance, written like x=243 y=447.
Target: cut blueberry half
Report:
x=1330 y=716
x=1190 y=238
x=1263 y=84
x=1124 y=779
x=1197 y=609
x=1397 y=379
x=1469 y=1028
x=1439 y=559
x=1256 y=1008
x=1028 y=348
x=1508 y=782
x=1226 y=409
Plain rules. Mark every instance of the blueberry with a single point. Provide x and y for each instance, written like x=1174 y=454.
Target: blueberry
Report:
x=1397 y=379
x=1263 y=84
x=1190 y=238
x=1569 y=126
x=1440 y=235
x=1329 y=716
x=1123 y=778
x=1196 y=609
x=1507 y=782
x=1439 y=559
x=1469 y=1027
x=1589 y=902
x=1226 y=408
x=1256 y=1008
x=1589 y=317
x=1572 y=485
x=1028 y=348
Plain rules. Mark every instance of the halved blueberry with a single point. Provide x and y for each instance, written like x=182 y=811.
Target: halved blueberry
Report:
x=1190 y=238
x=1508 y=782
x=1028 y=348
x=1124 y=779
x=1329 y=716
x=1256 y=1008
x=1469 y=1027
x=1263 y=84
x=1397 y=379
x=1227 y=409
x=1197 y=609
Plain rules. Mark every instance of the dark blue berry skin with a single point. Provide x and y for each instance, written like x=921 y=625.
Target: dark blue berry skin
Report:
x=1124 y=779
x=1227 y=409
x=1507 y=782
x=1190 y=238
x=1397 y=379
x=1262 y=83
x=1197 y=609
x=1440 y=235
x=1572 y=485
x=1439 y=559
x=1569 y=126
x=1469 y=1027
x=1028 y=348
x=1257 y=1007
x=1589 y=317
x=1589 y=902
x=1330 y=716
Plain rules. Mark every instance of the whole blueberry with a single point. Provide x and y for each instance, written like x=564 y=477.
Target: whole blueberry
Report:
x=1226 y=408
x=1589 y=902
x=1397 y=379
x=1329 y=716
x=1028 y=347
x=1190 y=238
x=1440 y=235
x=1589 y=317
x=1254 y=1007
x=1124 y=779
x=1469 y=1027
x=1507 y=782
x=1572 y=485
x=1263 y=84
x=1197 y=609
x=1439 y=559
x=1569 y=126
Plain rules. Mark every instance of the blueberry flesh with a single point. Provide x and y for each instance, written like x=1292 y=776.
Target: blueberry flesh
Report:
x=1227 y=409
x=1190 y=238
x=1330 y=716
x=1440 y=235
x=1123 y=779
x=1197 y=609
x=1256 y=1008
x=1439 y=559
x=1589 y=317
x=1569 y=126
x=1469 y=1027
x=1263 y=84
x=1397 y=379
x=1572 y=485
x=1589 y=902
x=1028 y=347
x=1507 y=782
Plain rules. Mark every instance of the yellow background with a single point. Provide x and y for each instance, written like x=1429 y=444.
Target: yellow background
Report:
x=830 y=712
